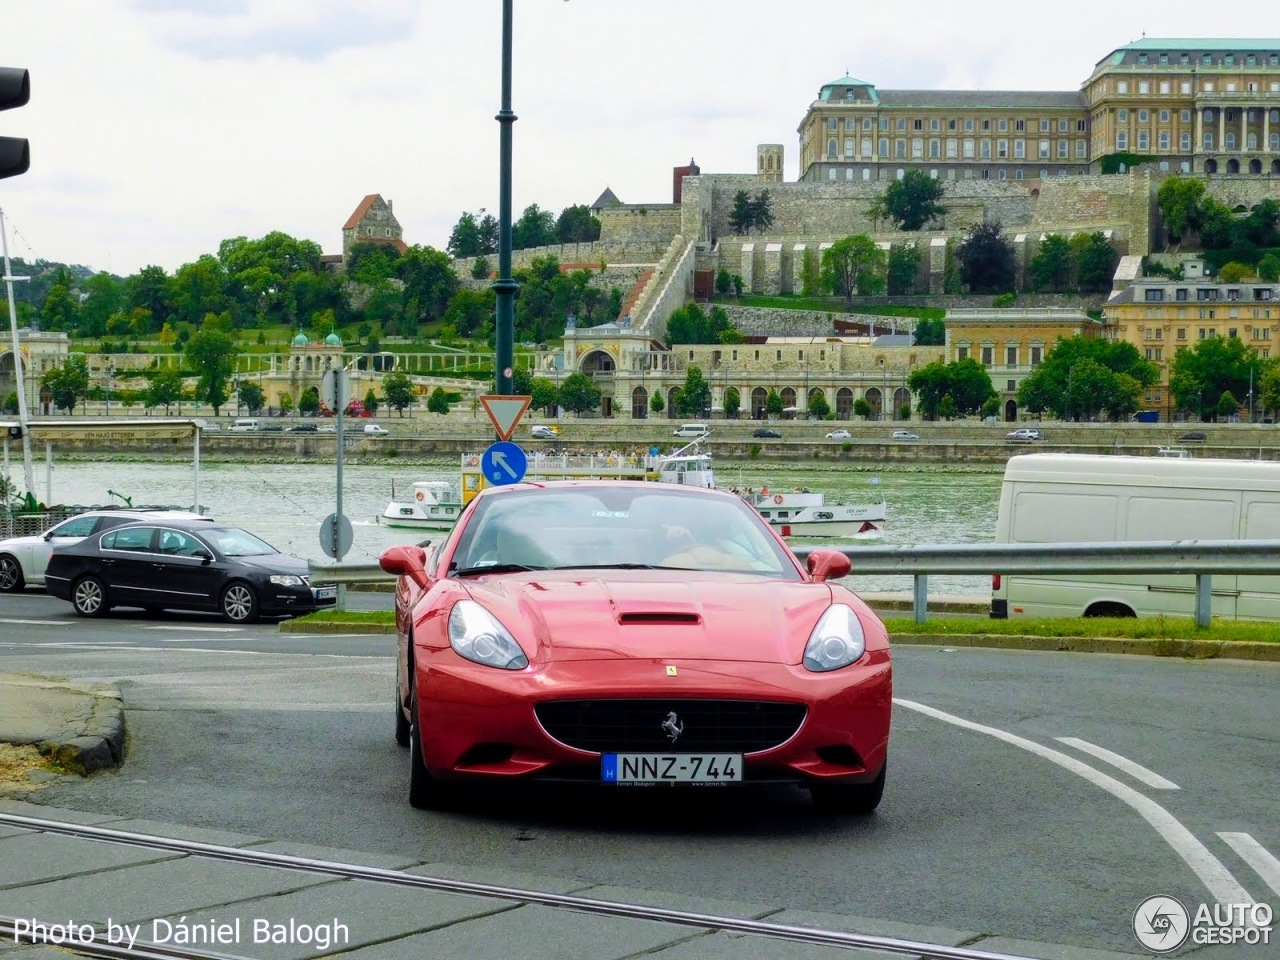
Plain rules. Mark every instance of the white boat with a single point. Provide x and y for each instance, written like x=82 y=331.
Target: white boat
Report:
x=433 y=505
x=804 y=513
x=1177 y=453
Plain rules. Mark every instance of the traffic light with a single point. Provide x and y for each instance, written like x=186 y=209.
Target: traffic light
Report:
x=15 y=91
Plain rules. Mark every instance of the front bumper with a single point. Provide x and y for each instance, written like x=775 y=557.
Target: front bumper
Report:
x=478 y=722
x=279 y=601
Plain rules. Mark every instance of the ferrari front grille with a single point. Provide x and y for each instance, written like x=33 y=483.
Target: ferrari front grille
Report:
x=671 y=725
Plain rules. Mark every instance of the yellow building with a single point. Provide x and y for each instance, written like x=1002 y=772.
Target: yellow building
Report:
x=1196 y=105
x=1010 y=342
x=1161 y=317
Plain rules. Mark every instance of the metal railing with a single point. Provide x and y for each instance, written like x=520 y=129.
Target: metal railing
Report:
x=1198 y=558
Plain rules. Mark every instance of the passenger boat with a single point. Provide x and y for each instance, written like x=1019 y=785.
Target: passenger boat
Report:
x=433 y=505
x=804 y=513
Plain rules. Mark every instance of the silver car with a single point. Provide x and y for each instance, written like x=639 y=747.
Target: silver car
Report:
x=23 y=559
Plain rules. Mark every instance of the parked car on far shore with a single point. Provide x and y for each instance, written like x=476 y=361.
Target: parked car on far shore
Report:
x=904 y=435
x=765 y=433
x=1024 y=435
x=839 y=435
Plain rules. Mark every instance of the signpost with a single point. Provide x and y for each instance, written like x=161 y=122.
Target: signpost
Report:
x=503 y=463
x=505 y=412
x=335 y=531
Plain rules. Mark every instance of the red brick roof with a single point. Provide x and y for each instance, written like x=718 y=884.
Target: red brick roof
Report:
x=361 y=210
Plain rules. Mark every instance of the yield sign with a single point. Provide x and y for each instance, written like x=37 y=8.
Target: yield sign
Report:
x=505 y=412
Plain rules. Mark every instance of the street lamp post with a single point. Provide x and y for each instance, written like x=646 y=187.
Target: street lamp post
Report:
x=505 y=286
x=109 y=370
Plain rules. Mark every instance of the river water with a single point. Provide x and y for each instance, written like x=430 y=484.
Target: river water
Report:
x=285 y=503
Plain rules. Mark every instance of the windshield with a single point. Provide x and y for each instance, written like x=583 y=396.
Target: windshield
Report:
x=234 y=542
x=640 y=525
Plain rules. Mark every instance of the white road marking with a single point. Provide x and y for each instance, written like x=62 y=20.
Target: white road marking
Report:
x=197 y=639
x=195 y=629
x=39 y=623
x=1212 y=873
x=1135 y=770
x=1257 y=856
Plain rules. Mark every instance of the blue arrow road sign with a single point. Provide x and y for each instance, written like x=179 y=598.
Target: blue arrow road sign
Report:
x=504 y=462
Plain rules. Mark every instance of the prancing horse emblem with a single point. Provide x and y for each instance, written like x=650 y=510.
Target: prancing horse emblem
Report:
x=672 y=727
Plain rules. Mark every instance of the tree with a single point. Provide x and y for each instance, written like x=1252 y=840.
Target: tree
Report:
x=904 y=267
x=371 y=402
x=695 y=394
x=930 y=332
x=1095 y=261
x=732 y=403
x=862 y=408
x=576 y=225
x=543 y=393
x=1269 y=388
x=810 y=276
x=1050 y=268
x=164 y=390
x=480 y=269
x=773 y=405
x=987 y=263
x=211 y=354
x=1179 y=200
x=67 y=382
x=724 y=283
x=429 y=281
x=473 y=236
x=535 y=228
x=1269 y=268
x=1084 y=376
x=1217 y=224
x=818 y=407
x=579 y=394
x=149 y=289
x=286 y=404
x=846 y=261
x=10 y=406
x=913 y=201
x=741 y=217
x=762 y=212
x=1234 y=272
x=877 y=211
x=656 y=403
x=471 y=312
x=309 y=401
x=397 y=389
x=438 y=401
x=1200 y=375
x=965 y=385
x=251 y=397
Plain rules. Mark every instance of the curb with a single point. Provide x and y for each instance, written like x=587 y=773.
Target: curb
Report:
x=92 y=716
x=293 y=626
x=1145 y=647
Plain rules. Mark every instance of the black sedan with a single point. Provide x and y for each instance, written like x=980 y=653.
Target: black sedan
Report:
x=184 y=565
x=765 y=433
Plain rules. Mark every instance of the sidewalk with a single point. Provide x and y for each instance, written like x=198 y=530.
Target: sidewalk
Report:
x=57 y=886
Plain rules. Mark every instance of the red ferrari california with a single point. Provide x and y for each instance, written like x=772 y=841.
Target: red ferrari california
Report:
x=635 y=634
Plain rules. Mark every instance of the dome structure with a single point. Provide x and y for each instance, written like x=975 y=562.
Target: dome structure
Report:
x=300 y=340
x=333 y=340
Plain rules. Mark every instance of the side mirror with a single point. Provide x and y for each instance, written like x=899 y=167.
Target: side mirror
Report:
x=828 y=565
x=204 y=555
x=408 y=562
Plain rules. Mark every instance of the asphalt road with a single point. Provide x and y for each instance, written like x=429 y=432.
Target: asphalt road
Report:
x=990 y=822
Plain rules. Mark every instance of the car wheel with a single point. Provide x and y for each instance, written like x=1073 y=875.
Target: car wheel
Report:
x=402 y=725
x=239 y=603
x=424 y=792
x=855 y=798
x=10 y=574
x=89 y=597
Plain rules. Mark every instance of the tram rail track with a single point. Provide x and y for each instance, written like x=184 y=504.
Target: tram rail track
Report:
x=10 y=930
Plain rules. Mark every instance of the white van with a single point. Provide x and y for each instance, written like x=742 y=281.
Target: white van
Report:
x=248 y=425
x=373 y=430
x=692 y=430
x=1079 y=498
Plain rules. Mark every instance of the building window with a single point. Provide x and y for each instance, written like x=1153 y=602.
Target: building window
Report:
x=1144 y=86
x=1044 y=124
x=1208 y=139
x=848 y=173
x=1002 y=174
x=934 y=125
x=831 y=173
x=1019 y=126
x=900 y=149
x=1154 y=296
x=1063 y=125
x=1122 y=140
x=1164 y=139
x=1122 y=86
x=884 y=148
x=935 y=149
x=1122 y=115
x=986 y=125
x=1003 y=125
x=1002 y=149
x=866 y=146
x=1144 y=139
x=831 y=148
x=1019 y=149
x=1184 y=142
x=902 y=123
x=985 y=153
x=1182 y=331
x=866 y=173
x=1044 y=149
x=953 y=148
x=987 y=353
x=1010 y=356
x=884 y=123
x=1184 y=87
x=917 y=124
x=1229 y=141
x=1037 y=354
x=917 y=148
x=1185 y=116
x=1164 y=86
x=951 y=124
x=1080 y=126
x=1082 y=149
x=962 y=353
x=968 y=125
x=1064 y=149
x=848 y=147
x=1208 y=86
x=1164 y=116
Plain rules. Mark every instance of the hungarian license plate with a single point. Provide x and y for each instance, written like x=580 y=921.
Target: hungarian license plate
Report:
x=327 y=593
x=649 y=768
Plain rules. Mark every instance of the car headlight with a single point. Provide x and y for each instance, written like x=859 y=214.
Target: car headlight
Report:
x=286 y=580
x=836 y=641
x=476 y=634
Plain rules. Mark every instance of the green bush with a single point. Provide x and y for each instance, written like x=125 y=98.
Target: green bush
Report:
x=1005 y=300
x=754 y=451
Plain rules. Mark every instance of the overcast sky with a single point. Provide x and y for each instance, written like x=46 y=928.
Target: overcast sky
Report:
x=160 y=127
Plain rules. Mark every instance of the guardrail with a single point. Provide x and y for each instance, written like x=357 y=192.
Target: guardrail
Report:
x=1198 y=558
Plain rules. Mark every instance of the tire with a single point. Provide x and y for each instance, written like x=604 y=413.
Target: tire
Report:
x=850 y=798
x=11 y=579
x=89 y=597
x=402 y=725
x=239 y=604
x=424 y=792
